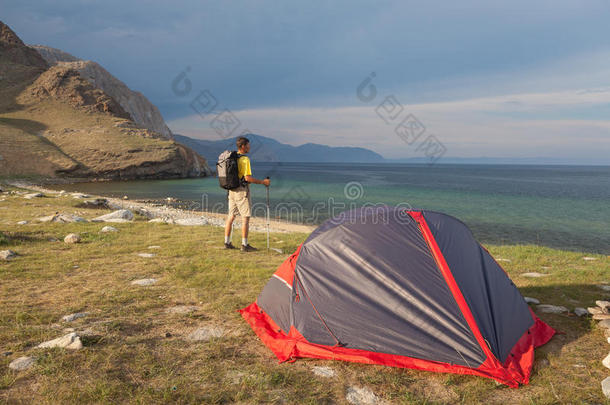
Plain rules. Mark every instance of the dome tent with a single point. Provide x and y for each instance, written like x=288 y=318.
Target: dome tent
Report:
x=411 y=289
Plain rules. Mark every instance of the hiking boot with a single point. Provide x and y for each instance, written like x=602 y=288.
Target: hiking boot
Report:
x=229 y=246
x=248 y=248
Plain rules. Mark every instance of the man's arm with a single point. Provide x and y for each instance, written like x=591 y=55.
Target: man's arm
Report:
x=251 y=179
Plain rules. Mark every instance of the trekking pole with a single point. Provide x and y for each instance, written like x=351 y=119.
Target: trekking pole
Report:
x=267 y=217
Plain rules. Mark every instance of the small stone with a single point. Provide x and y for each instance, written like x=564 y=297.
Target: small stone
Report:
x=606 y=361
x=109 y=228
x=551 y=309
x=604 y=305
x=606 y=387
x=168 y=335
x=601 y=317
x=125 y=197
x=604 y=287
x=22 y=363
x=75 y=316
x=192 y=221
x=361 y=396
x=534 y=275
x=72 y=238
x=579 y=366
x=581 y=311
x=116 y=216
x=206 y=333
x=62 y=192
x=595 y=310
x=323 y=371
x=154 y=247
x=503 y=260
x=52 y=239
x=22 y=222
x=144 y=281
x=7 y=353
x=182 y=309
x=608 y=339
x=146 y=254
x=587 y=258
x=33 y=195
x=7 y=254
x=531 y=300
x=69 y=341
x=80 y=195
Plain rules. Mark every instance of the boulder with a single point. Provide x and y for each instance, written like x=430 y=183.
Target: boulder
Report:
x=606 y=361
x=62 y=218
x=22 y=363
x=69 y=341
x=116 y=216
x=595 y=310
x=7 y=254
x=109 y=228
x=604 y=324
x=601 y=317
x=72 y=238
x=604 y=305
x=551 y=309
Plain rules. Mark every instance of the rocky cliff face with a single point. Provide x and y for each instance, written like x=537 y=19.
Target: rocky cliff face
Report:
x=56 y=123
x=142 y=111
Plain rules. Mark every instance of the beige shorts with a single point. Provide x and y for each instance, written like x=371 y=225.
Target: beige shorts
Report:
x=239 y=202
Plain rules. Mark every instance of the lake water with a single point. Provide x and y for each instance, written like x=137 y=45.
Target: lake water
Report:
x=566 y=207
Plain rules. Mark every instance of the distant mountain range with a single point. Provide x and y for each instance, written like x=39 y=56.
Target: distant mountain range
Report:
x=264 y=149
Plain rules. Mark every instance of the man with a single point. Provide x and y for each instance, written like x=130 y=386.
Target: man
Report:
x=239 y=198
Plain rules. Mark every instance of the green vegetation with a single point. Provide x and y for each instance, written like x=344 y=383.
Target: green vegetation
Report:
x=137 y=352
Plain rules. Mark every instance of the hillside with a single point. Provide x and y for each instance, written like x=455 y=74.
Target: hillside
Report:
x=54 y=123
x=264 y=149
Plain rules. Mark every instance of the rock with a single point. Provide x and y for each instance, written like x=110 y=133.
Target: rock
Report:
x=604 y=287
x=33 y=195
x=144 y=281
x=581 y=311
x=604 y=324
x=162 y=221
x=109 y=228
x=604 y=305
x=62 y=218
x=7 y=254
x=22 y=363
x=192 y=221
x=531 y=300
x=154 y=247
x=595 y=310
x=608 y=339
x=72 y=238
x=116 y=216
x=361 y=396
x=503 y=260
x=22 y=222
x=206 y=333
x=601 y=317
x=551 y=309
x=587 y=258
x=96 y=203
x=69 y=341
x=182 y=309
x=534 y=275
x=80 y=195
x=75 y=316
x=606 y=387
x=62 y=192
x=125 y=197
x=606 y=332
x=146 y=254
x=323 y=371
x=606 y=361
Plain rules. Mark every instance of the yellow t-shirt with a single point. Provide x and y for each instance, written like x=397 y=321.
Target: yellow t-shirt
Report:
x=243 y=167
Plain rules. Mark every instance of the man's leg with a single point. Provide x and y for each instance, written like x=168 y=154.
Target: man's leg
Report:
x=245 y=227
x=229 y=225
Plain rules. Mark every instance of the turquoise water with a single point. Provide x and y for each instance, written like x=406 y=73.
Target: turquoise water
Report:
x=566 y=207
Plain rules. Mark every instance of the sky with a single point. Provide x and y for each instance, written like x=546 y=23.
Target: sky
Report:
x=516 y=79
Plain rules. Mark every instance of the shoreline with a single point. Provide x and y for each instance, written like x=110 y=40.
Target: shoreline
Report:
x=169 y=214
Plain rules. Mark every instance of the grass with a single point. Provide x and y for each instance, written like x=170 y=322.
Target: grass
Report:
x=136 y=352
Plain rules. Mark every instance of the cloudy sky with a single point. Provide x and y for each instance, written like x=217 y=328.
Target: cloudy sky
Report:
x=497 y=79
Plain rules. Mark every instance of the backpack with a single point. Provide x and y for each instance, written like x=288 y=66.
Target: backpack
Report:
x=226 y=168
